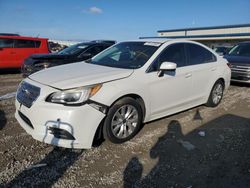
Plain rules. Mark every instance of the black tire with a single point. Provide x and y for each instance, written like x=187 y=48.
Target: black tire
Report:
x=108 y=129
x=211 y=102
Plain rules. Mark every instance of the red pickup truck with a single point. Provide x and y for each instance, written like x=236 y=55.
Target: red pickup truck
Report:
x=14 y=49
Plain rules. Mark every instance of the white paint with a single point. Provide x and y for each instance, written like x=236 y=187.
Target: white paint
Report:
x=189 y=86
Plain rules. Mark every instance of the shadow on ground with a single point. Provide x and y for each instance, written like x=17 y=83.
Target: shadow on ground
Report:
x=3 y=119
x=218 y=159
x=240 y=84
x=57 y=162
x=50 y=169
x=9 y=71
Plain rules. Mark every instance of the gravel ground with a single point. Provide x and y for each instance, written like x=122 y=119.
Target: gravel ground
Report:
x=201 y=147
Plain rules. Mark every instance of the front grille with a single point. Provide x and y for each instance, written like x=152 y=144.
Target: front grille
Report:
x=240 y=68
x=27 y=94
x=25 y=119
x=236 y=77
x=240 y=71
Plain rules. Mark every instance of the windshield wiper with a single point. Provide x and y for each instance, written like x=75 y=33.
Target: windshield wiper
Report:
x=88 y=60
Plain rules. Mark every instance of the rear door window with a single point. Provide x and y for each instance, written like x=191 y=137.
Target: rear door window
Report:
x=199 y=55
x=25 y=43
x=6 y=43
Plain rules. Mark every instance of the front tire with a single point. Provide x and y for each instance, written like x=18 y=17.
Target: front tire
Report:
x=216 y=94
x=123 y=120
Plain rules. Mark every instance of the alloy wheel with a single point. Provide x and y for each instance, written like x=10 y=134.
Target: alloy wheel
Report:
x=124 y=121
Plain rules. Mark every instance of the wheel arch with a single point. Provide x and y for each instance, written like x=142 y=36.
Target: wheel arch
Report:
x=99 y=137
x=221 y=79
x=136 y=97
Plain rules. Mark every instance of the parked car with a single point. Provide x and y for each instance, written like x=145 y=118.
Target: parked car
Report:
x=222 y=50
x=116 y=91
x=239 y=58
x=74 y=53
x=14 y=49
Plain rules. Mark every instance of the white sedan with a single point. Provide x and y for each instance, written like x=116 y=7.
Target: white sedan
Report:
x=118 y=90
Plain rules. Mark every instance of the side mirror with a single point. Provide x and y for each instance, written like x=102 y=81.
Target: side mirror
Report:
x=86 y=55
x=166 y=66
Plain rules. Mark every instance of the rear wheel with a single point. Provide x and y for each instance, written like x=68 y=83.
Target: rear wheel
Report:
x=216 y=94
x=123 y=120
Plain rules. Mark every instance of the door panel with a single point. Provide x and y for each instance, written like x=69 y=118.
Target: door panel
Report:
x=23 y=49
x=7 y=57
x=203 y=75
x=204 y=65
x=170 y=93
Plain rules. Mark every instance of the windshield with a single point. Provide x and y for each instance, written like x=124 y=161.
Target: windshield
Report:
x=128 y=55
x=241 y=50
x=74 y=49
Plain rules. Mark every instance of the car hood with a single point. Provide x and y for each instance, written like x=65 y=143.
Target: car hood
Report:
x=52 y=59
x=78 y=74
x=50 y=56
x=238 y=59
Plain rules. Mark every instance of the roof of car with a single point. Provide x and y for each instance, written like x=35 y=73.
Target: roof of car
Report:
x=21 y=37
x=161 y=40
x=96 y=42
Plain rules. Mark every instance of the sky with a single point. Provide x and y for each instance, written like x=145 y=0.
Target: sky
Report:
x=115 y=19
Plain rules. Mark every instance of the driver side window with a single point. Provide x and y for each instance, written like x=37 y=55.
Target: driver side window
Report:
x=174 y=53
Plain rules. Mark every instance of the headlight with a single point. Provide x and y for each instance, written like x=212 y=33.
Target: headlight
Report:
x=43 y=65
x=74 y=96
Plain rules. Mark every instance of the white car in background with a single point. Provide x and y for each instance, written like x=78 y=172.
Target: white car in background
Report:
x=116 y=91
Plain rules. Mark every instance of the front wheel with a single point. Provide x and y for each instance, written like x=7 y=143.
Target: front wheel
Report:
x=216 y=94
x=123 y=120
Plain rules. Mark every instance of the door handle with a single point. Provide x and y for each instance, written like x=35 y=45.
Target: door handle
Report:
x=213 y=69
x=188 y=75
x=12 y=52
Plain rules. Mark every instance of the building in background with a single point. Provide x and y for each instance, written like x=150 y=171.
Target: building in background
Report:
x=228 y=35
x=211 y=36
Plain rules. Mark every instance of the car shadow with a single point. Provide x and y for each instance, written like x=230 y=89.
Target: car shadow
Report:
x=240 y=84
x=219 y=157
x=10 y=71
x=48 y=171
x=3 y=119
x=51 y=168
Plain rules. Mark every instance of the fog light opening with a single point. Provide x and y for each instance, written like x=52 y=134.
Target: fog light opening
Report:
x=60 y=133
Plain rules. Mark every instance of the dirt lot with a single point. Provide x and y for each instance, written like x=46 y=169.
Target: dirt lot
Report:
x=201 y=147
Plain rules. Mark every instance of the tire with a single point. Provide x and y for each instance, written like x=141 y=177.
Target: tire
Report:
x=216 y=94
x=123 y=120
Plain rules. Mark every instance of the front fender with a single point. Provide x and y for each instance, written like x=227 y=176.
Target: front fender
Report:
x=112 y=91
